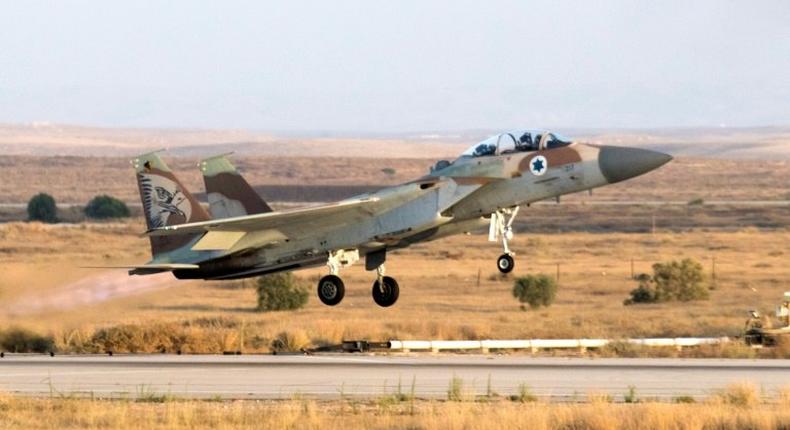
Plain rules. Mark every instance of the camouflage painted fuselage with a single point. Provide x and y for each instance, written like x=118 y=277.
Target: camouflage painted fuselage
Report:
x=452 y=199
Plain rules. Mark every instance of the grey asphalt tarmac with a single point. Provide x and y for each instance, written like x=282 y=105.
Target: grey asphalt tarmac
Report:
x=330 y=376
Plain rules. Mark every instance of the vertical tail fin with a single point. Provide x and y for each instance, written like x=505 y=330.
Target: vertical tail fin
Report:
x=165 y=202
x=229 y=194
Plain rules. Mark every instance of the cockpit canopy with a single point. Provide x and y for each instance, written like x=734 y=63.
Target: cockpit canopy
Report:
x=516 y=141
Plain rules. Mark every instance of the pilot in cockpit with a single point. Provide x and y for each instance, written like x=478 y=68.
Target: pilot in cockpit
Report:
x=525 y=143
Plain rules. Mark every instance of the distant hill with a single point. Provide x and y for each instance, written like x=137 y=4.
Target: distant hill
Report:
x=48 y=139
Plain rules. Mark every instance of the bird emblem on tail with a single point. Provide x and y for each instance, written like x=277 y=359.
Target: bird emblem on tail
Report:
x=162 y=199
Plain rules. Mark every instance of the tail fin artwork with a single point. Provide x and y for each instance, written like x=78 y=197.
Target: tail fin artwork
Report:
x=165 y=203
x=229 y=195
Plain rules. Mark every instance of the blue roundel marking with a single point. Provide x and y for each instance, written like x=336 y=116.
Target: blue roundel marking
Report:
x=538 y=165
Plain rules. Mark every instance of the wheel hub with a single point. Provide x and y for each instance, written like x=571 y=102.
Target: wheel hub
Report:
x=328 y=290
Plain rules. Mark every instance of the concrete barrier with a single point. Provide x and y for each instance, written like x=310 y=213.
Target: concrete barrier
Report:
x=537 y=344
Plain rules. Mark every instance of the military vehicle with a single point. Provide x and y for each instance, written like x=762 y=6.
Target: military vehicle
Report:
x=760 y=332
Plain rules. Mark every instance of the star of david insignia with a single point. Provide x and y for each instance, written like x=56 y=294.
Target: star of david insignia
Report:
x=538 y=165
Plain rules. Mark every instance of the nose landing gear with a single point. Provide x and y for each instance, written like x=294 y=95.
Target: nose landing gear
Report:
x=501 y=228
x=505 y=263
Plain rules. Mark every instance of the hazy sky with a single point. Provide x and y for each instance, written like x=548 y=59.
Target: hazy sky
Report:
x=395 y=65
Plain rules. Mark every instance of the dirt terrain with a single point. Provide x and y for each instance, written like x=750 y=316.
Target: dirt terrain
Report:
x=43 y=288
x=78 y=179
x=733 y=210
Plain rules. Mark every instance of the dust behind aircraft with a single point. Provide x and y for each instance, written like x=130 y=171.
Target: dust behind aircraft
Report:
x=241 y=236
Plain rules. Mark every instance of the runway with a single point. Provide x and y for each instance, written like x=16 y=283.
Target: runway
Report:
x=332 y=376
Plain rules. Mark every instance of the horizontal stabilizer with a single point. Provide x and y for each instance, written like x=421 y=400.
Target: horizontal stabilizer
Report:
x=149 y=269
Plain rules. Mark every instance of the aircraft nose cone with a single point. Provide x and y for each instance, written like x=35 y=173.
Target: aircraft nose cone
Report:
x=620 y=163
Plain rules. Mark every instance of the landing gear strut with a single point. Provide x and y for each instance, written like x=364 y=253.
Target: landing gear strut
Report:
x=331 y=289
x=502 y=228
x=385 y=289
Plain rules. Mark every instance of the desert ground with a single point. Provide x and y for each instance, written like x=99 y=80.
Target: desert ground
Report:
x=723 y=202
x=44 y=289
x=735 y=407
x=728 y=213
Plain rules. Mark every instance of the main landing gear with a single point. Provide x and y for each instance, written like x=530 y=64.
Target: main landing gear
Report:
x=385 y=289
x=331 y=288
x=501 y=227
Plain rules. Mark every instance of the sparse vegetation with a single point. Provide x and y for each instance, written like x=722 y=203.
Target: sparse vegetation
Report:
x=455 y=392
x=684 y=399
x=42 y=208
x=630 y=395
x=524 y=395
x=104 y=207
x=23 y=340
x=212 y=318
x=280 y=292
x=743 y=395
x=291 y=341
x=535 y=290
x=389 y=171
x=673 y=281
x=697 y=201
x=166 y=412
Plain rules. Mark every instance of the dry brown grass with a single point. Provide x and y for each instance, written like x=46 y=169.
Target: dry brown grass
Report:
x=42 y=289
x=16 y=412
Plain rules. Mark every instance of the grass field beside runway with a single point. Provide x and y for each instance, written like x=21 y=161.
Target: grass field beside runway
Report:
x=736 y=407
x=43 y=289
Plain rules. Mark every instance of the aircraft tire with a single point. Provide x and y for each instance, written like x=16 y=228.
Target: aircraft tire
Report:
x=505 y=263
x=331 y=290
x=388 y=295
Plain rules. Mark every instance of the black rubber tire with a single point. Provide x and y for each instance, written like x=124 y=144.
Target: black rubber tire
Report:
x=331 y=290
x=505 y=263
x=388 y=295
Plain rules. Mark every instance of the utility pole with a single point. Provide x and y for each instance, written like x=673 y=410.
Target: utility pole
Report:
x=653 y=229
x=558 y=273
x=632 y=268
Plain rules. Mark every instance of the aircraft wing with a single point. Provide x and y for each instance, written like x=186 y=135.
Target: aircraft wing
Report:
x=254 y=230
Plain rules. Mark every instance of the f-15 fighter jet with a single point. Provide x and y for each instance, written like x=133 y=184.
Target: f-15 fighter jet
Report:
x=243 y=237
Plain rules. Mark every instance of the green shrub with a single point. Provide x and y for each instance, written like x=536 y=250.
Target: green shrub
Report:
x=644 y=293
x=389 y=171
x=281 y=291
x=104 y=206
x=22 y=340
x=42 y=208
x=290 y=341
x=675 y=280
x=536 y=290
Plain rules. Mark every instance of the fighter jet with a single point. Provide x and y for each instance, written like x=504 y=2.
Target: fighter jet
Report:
x=485 y=186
